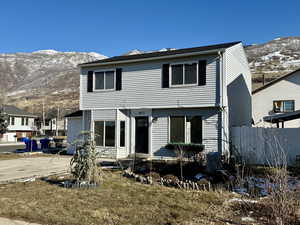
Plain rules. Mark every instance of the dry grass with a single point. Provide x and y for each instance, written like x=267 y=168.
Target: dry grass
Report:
x=117 y=201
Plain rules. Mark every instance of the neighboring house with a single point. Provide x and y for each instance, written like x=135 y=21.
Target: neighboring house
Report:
x=281 y=96
x=20 y=124
x=139 y=103
x=74 y=121
x=53 y=127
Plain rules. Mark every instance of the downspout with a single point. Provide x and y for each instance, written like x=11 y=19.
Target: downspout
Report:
x=221 y=74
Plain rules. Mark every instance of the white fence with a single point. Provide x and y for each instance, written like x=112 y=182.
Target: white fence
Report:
x=259 y=145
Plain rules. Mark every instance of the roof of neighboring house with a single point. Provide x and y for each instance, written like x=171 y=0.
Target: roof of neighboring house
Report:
x=282 y=117
x=15 y=111
x=217 y=47
x=275 y=81
x=75 y=114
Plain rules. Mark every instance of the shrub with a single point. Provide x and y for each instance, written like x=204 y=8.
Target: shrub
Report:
x=83 y=163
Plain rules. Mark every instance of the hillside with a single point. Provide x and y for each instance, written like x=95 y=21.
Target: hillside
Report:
x=28 y=78
x=273 y=59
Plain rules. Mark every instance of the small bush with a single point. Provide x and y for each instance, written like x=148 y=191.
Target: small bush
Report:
x=83 y=163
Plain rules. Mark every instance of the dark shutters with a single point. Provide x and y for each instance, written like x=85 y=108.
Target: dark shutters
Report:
x=202 y=73
x=196 y=129
x=118 y=79
x=90 y=81
x=165 y=75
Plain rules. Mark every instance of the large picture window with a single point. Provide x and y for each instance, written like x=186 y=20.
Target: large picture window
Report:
x=186 y=129
x=184 y=74
x=104 y=132
x=104 y=80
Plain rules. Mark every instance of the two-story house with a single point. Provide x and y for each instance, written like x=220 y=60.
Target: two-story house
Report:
x=139 y=103
x=20 y=124
x=54 y=127
x=281 y=96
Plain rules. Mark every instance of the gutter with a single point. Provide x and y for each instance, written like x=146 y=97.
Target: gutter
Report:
x=152 y=58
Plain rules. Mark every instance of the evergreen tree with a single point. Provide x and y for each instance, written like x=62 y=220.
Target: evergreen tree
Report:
x=3 y=121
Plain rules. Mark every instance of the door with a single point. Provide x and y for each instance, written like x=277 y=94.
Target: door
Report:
x=141 y=134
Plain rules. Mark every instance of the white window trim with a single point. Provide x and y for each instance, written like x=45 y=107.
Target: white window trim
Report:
x=104 y=80
x=183 y=85
x=104 y=121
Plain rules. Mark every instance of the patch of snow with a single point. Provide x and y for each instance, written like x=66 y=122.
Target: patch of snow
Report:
x=242 y=200
x=166 y=49
x=270 y=55
x=277 y=39
x=16 y=93
x=47 y=51
x=248 y=219
x=97 y=55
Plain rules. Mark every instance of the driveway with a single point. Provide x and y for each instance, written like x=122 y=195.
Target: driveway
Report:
x=10 y=147
x=17 y=169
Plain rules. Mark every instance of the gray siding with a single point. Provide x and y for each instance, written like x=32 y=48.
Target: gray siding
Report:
x=211 y=129
x=238 y=81
x=141 y=88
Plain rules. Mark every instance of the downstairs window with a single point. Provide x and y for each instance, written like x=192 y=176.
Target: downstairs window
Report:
x=186 y=129
x=104 y=133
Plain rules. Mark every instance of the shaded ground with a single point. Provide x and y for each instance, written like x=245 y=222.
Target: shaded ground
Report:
x=117 y=201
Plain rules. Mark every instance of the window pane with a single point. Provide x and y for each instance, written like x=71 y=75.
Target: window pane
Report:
x=122 y=133
x=277 y=106
x=177 y=74
x=109 y=80
x=196 y=129
x=288 y=106
x=99 y=80
x=177 y=129
x=190 y=73
x=109 y=133
x=99 y=132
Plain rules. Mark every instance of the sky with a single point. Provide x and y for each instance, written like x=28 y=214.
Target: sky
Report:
x=116 y=27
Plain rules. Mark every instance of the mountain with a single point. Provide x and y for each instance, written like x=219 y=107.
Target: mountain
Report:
x=51 y=76
x=273 y=59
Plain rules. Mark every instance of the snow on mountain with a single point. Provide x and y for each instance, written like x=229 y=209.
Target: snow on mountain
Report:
x=27 y=77
x=273 y=59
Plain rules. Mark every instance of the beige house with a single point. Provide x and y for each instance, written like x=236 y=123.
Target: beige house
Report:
x=281 y=96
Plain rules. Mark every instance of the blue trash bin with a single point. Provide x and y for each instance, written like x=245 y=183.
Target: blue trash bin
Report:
x=45 y=143
x=31 y=145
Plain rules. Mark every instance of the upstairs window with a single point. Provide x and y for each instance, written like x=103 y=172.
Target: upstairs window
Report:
x=23 y=121
x=26 y=121
x=104 y=80
x=283 y=106
x=184 y=74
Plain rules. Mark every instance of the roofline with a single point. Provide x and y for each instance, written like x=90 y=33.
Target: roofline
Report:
x=31 y=116
x=153 y=58
x=275 y=81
